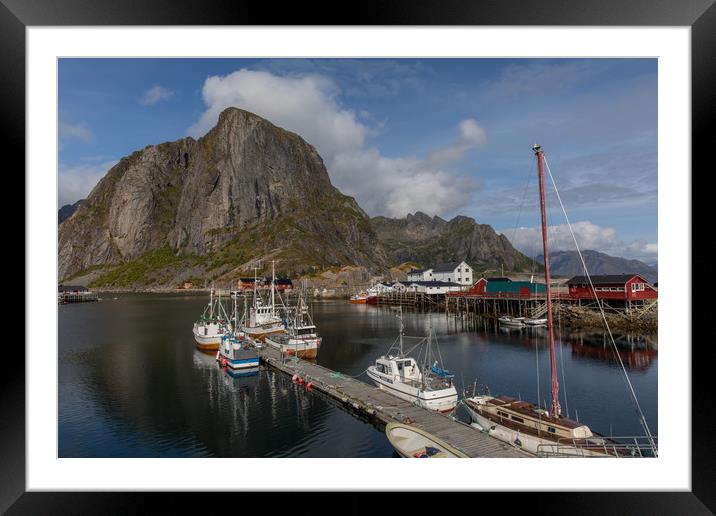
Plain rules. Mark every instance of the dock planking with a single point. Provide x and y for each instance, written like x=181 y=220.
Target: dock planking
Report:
x=378 y=404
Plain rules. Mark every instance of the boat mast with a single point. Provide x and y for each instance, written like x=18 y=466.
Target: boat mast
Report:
x=401 y=330
x=273 y=282
x=556 y=409
x=211 y=302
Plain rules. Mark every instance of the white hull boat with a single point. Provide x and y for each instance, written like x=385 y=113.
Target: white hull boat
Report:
x=403 y=377
x=412 y=442
x=515 y=322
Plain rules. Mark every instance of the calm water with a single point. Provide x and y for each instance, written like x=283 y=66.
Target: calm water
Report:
x=131 y=383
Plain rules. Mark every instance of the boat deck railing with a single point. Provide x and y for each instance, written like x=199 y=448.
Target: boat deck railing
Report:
x=623 y=447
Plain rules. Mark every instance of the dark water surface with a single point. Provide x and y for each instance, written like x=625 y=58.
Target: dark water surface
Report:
x=131 y=383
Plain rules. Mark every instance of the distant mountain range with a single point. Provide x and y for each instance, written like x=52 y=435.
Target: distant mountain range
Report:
x=432 y=240
x=567 y=263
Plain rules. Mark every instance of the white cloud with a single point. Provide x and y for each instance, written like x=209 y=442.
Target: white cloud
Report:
x=155 y=94
x=308 y=105
x=589 y=237
x=79 y=131
x=76 y=182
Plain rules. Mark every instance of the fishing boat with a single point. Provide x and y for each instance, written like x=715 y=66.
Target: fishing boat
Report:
x=412 y=442
x=413 y=380
x=237 y=350
x=212 y=325
x=263 y=319
x=364 y=298
x=526 y=425
x=301 y=338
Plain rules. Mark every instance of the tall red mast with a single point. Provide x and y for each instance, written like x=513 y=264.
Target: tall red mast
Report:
x=556 y=410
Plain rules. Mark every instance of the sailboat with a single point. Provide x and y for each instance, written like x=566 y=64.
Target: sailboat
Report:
x=526 y=425
x=263 y=319
x=237 y=350
x=302 y=340
x=430 y=387
x=212 y=325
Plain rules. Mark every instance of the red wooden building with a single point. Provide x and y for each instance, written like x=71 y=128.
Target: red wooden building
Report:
x=477 y=289
x=618 y=287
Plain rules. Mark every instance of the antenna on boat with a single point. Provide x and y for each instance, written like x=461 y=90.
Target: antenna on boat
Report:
x=553 y=364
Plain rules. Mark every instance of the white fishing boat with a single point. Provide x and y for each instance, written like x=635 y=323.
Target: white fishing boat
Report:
x=412 y=442
x=413 y=380
x=212 y=325
x=301 y=339
x=534 y=429
x=263 y=319
x=237 y=350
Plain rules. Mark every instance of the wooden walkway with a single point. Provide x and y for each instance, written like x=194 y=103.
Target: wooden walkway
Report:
x=375 y=403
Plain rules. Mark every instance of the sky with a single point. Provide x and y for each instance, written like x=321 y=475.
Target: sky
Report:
x=443 y=136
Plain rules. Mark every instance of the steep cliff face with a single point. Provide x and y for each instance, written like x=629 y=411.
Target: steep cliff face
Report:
x=246 y=191
x=430 y=240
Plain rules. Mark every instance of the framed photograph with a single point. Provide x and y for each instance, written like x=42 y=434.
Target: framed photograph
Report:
x=438 y=228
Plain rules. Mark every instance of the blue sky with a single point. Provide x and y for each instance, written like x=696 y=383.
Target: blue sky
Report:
x=443 y=136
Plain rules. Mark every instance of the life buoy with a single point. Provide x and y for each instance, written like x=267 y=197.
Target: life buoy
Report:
x=309 y=385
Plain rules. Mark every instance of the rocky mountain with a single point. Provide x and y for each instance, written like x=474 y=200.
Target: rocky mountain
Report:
x=567 y=263
x=430 y=240
x=67 y=210
x=246 y=192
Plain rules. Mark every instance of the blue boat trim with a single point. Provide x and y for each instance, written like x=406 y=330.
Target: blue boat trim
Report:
x=245 y=360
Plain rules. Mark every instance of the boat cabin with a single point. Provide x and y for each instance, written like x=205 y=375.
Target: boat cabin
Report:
x=525 y=416
x=402 y=368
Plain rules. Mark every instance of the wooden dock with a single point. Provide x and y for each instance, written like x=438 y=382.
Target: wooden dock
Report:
x=376 y=404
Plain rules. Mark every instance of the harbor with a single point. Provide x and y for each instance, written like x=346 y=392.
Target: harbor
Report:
x=139 y=388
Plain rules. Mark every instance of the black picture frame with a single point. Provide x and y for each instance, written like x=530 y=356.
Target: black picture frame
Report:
x=16 y=15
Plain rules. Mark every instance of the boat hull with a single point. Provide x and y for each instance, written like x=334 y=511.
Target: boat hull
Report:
x=411 y=442
x=307 y=349
x=207 y=342
x=443 y=400
x=530 y=443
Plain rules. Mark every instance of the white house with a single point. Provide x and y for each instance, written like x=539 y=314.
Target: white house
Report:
x=433 y=287
x=457 y=272
x=420 y=275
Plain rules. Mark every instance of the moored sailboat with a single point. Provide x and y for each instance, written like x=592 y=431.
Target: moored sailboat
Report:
x=526 y=425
